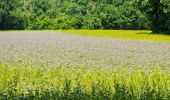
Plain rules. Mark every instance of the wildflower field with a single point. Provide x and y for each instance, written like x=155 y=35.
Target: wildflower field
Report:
x=44 y=65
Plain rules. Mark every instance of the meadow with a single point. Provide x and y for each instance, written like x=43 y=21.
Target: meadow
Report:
x=122 y=34
x=81 y=66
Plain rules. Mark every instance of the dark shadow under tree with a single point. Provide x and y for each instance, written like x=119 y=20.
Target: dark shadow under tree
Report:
x=159 y=15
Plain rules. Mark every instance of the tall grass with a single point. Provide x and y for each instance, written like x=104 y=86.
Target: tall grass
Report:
x=26 y=82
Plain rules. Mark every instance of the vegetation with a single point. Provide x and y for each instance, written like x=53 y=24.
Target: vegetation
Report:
x=58 y=66
x=121 y=34
x=85 y=14
x=25 y=82
x=159 y=13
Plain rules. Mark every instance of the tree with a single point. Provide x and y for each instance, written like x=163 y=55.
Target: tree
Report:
x=159 y=14
x=77 y=14
x=8 y=17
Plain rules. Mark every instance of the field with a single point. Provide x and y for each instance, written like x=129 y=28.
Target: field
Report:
x=122 y=34
x=120 y=65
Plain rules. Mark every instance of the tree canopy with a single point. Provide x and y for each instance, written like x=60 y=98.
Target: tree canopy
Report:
x=85 y=14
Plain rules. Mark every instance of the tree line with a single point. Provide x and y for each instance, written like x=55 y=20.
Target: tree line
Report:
x=85 y=14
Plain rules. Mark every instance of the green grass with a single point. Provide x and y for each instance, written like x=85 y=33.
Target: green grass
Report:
x=121 y=34
x=26 y=82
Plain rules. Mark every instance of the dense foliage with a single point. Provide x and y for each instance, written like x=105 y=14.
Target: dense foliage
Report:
x=27 y=83
x=84 y=14
x=159 y=14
